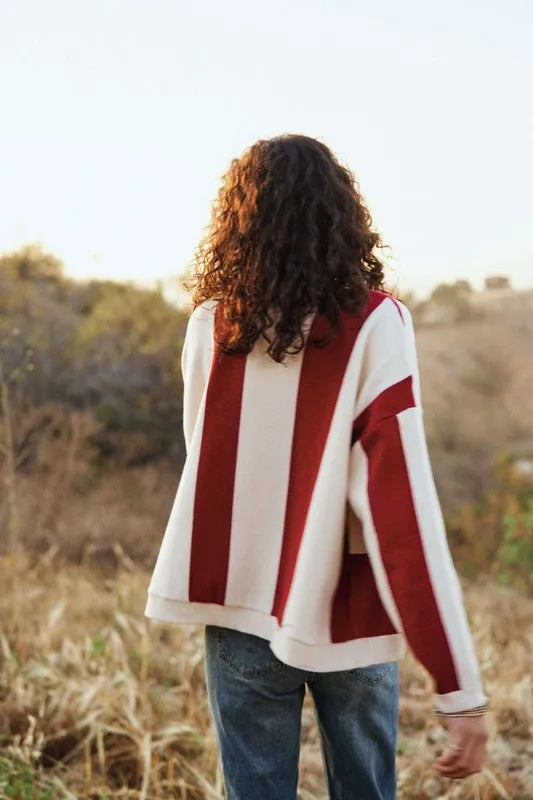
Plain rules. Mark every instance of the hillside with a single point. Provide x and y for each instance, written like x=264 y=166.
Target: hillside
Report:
x=95 y=703
x=93 y=387
x=477 y=378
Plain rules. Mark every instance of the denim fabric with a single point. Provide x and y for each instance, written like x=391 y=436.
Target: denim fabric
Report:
x=256 y=703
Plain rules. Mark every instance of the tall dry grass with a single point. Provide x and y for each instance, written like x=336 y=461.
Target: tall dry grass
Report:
x=101 y=704
x=71 y=501
x=98 y=704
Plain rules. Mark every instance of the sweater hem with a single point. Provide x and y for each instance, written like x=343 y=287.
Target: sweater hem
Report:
x=327 y=657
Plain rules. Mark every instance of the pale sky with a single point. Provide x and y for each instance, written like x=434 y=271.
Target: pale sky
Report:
x=117 y=118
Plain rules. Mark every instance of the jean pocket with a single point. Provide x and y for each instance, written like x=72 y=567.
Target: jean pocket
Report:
x=248 y=655
x=374 y=674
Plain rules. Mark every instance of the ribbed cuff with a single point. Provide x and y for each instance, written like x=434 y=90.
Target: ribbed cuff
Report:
x=463 y=700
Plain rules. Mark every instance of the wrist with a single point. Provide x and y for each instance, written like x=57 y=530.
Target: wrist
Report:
x=473 y=699
x=478 y=711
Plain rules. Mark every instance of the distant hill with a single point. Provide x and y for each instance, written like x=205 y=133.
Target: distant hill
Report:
x=503 y=301
x=459 y=302
x=477 y=381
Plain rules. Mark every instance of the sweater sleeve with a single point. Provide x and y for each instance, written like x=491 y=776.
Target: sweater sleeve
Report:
x=196 y=357
x=393 y=493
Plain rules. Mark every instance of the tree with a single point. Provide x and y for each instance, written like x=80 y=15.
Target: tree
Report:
x=455 y=298
x=495 y=282
x=106 y=348
x=463 y=287
x=135 y=320
x=31 y=263
x=128 y=348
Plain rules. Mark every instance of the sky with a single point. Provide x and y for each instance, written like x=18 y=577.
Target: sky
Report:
x=118 y=117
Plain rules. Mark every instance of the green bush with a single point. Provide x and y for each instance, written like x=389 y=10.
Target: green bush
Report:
x=19 y=782
x=495 y=535
x=108 y=348
x=515 y=554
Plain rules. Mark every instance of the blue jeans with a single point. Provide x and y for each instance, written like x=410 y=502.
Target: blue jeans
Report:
x=256 y=702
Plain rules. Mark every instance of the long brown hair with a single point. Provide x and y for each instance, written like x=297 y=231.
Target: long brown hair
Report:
x=290 y=235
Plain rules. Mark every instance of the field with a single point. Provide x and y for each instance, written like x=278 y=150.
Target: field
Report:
x=96 y=703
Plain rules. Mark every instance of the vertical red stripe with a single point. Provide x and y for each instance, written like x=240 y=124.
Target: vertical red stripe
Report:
x=401 y=546
x=215 y=481
x=391 y=401
x=321 y=378
x=357 y=610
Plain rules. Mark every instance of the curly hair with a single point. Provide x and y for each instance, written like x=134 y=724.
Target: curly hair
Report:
x=290 y=235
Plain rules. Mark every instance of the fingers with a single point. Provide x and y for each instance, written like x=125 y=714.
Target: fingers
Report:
x=458 y=762
x=457 y=773
x=459 y=769
x=450 y=757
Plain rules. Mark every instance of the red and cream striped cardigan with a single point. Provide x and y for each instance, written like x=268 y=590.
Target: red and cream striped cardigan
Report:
x=307 y=512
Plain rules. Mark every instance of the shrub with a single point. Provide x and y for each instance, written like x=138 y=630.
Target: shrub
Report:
x=106 y=348
x=495 y=534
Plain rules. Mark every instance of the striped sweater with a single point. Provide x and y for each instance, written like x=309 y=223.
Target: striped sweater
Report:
x=307 y=513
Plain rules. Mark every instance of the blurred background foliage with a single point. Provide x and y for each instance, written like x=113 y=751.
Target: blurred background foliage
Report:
x=90 y=420
x=106 y=348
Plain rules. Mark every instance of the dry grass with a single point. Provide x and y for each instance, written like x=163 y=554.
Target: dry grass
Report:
x=85 y=513
x=102 y=705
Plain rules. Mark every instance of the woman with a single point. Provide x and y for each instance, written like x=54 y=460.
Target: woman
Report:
x=306 y=533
